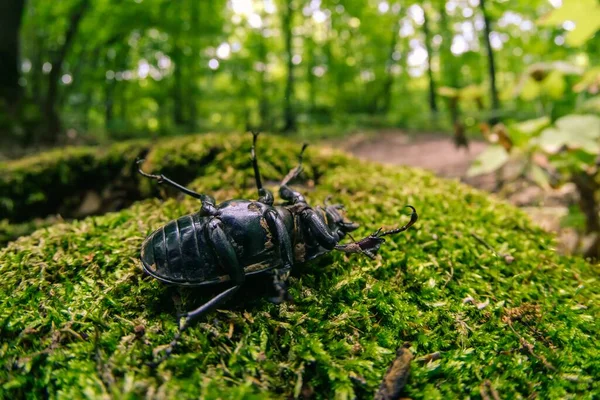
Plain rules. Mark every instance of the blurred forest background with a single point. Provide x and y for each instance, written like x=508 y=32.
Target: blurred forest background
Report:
x=94 y=70
x=519 y=77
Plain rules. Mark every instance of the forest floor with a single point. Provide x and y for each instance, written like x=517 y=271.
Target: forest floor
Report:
x=436 y=152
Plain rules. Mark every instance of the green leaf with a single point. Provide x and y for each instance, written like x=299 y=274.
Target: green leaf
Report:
x=590 y=81
x=446 y=91
x=584 y=13
x=529 y=90
x=573 y=219
x=472 y=92
x=583 y=158
x=580 y=125
x=532 y=126
x=591 y=105
x=490 y=160
x=539 y=176
x=554 y=85
x=552 y=140
x=573 y=131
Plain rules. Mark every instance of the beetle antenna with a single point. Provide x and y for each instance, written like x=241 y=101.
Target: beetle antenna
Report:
x=413 y=218
x=293 y=174
x=255 y=161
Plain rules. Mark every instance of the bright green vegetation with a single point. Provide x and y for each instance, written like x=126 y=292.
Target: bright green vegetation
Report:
x=11 y=231
x=73 y=296
x=285 y=65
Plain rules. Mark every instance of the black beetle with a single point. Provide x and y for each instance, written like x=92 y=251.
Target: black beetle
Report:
x=237 y=238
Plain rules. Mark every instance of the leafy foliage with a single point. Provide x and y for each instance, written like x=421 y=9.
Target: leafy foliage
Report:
x=141 y=68
x=585 y=14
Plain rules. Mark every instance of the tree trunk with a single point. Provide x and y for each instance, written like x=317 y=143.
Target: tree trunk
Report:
x=11 y=14
x=177 y=87
x=388 y=84
x=449 y=71
x=177 y=57
x=51 y=116
x=491 y=64
x=432 y=95
x=587 y=189
x=288 y=111
x=451 y=77
x=263 y=102
x=194 y=63
x=310 y=77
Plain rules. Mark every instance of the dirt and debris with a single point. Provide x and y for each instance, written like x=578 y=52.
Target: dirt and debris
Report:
x=396 y=376
x=437 y=153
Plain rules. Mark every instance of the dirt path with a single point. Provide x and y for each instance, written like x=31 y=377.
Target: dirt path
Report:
x=428 y=150
x=436 y=152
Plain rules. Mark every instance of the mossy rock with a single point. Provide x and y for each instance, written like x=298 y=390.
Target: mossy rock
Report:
x=80 y=319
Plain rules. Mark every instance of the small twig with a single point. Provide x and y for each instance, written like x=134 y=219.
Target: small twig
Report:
x=486 y=388
x=106 y=376
x=507 y=257
x=486 y=244
x=450 y=277
x=430 y=357
x=525 y=345
x=529 y=347
x=396 y=376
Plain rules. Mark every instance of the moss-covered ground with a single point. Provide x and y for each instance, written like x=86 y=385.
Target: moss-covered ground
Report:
x=474 y=280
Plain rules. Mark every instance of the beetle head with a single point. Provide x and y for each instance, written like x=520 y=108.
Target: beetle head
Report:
x=337 y=221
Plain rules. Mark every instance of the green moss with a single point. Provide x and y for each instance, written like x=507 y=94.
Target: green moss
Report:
x=40 y=185
x=10 y=232
x=71 y=296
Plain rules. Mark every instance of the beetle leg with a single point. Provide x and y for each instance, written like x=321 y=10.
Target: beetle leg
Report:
x=227 y=258
x=280 y=276
x=193 y=315
x=265 y=195
x=319 y=229
x=208 y=202
x=283 y=242
x=285 y=191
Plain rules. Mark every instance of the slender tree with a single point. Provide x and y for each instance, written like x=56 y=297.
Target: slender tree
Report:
x=263 y=100
x=11 y=14
x=388 y=83
x=51 y=116
x=491 y=63
x=289 y=116
x=178 y=62
x=432 y=93
x=310 y=65
x=194 y=62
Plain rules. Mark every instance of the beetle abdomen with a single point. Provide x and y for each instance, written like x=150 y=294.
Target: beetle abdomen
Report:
x=179 y=253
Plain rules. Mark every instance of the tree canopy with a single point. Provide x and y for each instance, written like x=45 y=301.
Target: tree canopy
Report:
x=97 y=69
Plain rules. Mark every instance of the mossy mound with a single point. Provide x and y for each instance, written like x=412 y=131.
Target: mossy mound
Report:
x=57 y=181
x=80 y=319
x=49 y=182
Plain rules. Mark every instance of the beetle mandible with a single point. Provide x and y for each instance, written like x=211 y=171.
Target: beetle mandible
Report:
x=228 y=241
